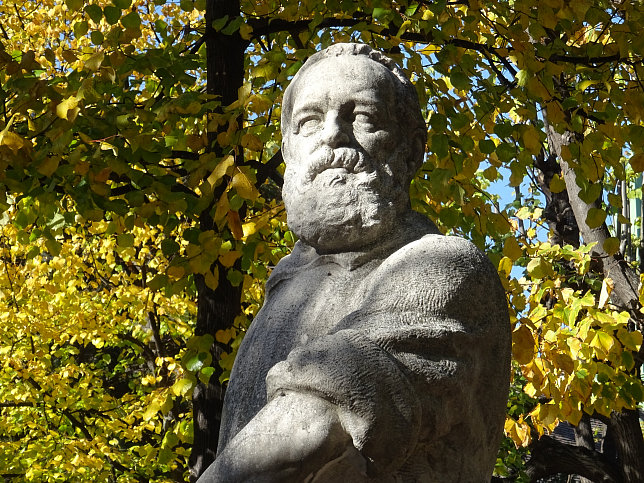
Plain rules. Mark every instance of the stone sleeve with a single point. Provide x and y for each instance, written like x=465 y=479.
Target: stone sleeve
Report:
x=429 y=347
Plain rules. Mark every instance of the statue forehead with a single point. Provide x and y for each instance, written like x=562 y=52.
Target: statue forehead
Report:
x=345 y=72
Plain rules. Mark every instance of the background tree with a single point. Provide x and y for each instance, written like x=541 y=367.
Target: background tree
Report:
x=146 y=135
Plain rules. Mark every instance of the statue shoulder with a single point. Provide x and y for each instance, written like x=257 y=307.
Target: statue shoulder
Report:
x=440 y=252
x=438 y=263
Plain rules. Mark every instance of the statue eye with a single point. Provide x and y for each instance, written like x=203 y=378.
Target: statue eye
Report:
x=365 y=121
x=308 y=124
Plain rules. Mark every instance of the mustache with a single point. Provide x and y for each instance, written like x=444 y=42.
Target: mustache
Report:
x=326 y=158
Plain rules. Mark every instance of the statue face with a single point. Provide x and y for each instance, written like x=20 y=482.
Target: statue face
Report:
x=341 y=154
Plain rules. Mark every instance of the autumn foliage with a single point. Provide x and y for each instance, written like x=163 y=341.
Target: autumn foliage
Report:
x=140 y=212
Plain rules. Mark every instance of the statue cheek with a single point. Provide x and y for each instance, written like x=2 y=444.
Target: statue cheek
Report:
x=375 y=144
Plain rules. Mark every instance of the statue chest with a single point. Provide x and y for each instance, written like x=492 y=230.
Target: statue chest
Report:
x=309 y=305
x=297 y=310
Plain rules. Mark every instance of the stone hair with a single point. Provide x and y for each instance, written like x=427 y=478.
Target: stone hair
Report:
x=408 y=112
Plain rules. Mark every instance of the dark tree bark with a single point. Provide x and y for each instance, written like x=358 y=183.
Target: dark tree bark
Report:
x=627 y=436
x=558 y=212
x=216 y=309
x=550 y=457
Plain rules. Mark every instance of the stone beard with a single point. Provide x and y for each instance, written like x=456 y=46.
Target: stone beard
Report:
x=343 y=199
x=382 y=351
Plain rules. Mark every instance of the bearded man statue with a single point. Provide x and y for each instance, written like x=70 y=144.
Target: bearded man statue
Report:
x=382 y=351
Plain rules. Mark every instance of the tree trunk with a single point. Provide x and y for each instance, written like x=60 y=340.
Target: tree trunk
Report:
x=550 y=457
x=624 y=425
x=627 y=436
x=216 y=309
x=584 y=438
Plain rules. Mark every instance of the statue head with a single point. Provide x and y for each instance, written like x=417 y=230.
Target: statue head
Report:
x=353 y=138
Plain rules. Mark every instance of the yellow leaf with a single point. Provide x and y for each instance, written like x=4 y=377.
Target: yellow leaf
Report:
x=221 y=169
x=602 y=341
x=151 y=411
x=244 y=92
x=637 y=162
x=223 y=138
x=234 y=223
x=252 y=142
x=68 y=109
x=229 y=258
x=244 y=187
x=12 y=140
x=224 y=336
x=212 y=278
x=223 y=206
x=245 y=31
x=249 y=228
x=194 y=142
x=631 y=340
x=522 y=345
x=95 y=61
x=539 y=268
x=531 y=139
x=176 y=272
x=511 y=248
x=548 y=414
x=564 y=362
x=583 y=85
x=607 y=288
x=575 y=345
x=182 y=386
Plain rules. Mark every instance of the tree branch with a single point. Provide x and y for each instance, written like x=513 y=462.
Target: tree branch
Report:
x=550 y=457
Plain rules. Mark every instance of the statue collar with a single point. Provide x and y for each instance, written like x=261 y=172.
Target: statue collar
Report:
x=305 y=257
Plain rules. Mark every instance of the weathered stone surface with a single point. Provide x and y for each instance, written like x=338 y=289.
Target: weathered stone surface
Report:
x=382 y=350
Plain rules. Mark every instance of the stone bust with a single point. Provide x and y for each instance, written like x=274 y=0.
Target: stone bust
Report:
x=382 y=351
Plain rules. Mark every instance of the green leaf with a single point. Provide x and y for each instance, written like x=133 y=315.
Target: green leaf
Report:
x=206 y=373
x=440 y=144
x=487 y=146
x=595 y=217
x=195 y=362
x=131 y=21
x=125 y=240
x=557 y=184
x=95 y=12
x=235 y=277
x=611 y=245
x=522 y=77
x=438 y=122
x=74 y=5
x=380 y=12
x=112 y=14
x=459 y=80
x=123 y=4
x=81 y=28
x=169 y=247
x=233 y=26
x=97 y=37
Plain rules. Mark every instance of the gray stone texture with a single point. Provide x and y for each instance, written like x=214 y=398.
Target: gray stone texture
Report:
x=382 y=351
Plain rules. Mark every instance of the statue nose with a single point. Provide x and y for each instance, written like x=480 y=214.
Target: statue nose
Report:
x=334 y=134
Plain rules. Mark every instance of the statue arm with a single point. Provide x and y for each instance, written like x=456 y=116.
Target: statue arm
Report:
x=294 y=435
